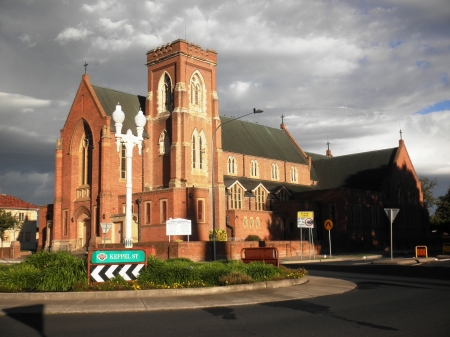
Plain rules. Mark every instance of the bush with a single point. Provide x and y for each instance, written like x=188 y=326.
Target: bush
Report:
x=19 y=277
x=253 y=238
x=260 y=271
x=221 y=235
x=58 y=271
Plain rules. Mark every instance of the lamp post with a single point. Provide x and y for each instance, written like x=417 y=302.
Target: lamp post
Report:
x=129 y=140
x=255 y=111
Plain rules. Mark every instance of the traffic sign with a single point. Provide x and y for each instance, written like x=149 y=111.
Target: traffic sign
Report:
x=105 y=226
x=328 y=224
x=305 y=219
x=103 y=273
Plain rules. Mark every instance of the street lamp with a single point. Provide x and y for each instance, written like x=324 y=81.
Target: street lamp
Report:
x=255 y=111
x=129 y=140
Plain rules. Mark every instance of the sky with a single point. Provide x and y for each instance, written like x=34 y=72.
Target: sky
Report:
x=351 y=73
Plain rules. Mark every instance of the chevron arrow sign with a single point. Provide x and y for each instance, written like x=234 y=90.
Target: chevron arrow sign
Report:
x=103 y=273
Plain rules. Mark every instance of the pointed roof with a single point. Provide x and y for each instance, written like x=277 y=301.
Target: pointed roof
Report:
x=260 y=141
x=130 y=106
x=10 y=202
x=365 y=170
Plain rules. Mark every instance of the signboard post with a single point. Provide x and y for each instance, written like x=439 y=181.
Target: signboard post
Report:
x=391 y=214
x=328 y=224
x=105 y=228
x=305 y=220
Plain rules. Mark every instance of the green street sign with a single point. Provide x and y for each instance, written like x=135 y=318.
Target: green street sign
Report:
x=118 y=256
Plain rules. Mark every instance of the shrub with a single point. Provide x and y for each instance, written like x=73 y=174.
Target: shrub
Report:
x=235 y=278
x=253 y=238
x=58 y=271
x=19 y=277
x=221 y=235
x=259 y=271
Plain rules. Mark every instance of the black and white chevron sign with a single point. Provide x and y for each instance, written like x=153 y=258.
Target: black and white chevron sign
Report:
x=103 y=273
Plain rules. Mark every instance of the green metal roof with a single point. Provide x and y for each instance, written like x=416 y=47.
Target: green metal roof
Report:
x=365 y=170
x=260 y=141
x=130 y=106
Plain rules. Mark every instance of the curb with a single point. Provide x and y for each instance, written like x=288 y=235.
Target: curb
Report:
x=151 y=292
x=338 y=259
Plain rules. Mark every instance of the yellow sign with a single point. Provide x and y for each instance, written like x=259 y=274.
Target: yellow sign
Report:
x=305 y=215
x=328 y=224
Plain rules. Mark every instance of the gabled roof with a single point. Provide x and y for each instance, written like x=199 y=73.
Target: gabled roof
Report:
x=365 y=170
x=10 y=202
x=130 y=106
x=260 y=141
x=271 y=186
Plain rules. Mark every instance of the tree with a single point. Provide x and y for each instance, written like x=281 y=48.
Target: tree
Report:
x=7 y=221
x=428 y=185
x=442 y=214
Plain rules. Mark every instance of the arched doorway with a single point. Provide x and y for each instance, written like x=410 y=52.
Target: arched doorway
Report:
x=83 y=231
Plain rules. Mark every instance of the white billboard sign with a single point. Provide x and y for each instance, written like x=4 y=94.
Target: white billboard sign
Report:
x=178 y=227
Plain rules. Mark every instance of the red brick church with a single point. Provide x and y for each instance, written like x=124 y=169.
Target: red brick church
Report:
x=262 y=177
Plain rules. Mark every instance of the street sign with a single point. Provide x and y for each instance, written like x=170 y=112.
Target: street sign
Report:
x=118 y=256
x=103 y=273
x=392 y=213
x=305 y=219
x=328 y=224
x=105 y=226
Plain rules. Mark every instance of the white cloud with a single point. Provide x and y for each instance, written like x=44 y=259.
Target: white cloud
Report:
x=17 y=102
x=99 y=7
x=73 y=34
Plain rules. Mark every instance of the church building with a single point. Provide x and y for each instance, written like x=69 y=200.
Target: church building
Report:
x=262 y=177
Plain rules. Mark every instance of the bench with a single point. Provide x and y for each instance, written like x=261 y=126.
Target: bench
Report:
x=268 y=255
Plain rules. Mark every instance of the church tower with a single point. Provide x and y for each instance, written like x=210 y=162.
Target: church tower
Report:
x=182 y=107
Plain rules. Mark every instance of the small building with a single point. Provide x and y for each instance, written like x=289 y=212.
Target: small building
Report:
x=27 y=214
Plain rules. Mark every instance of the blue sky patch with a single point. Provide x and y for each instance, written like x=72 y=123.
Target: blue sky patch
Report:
x=440 y=106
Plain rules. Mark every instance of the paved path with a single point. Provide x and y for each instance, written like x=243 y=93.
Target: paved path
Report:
x=171 y=299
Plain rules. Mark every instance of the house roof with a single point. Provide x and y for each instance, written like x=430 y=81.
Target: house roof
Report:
x=365 y=170
x=10 y=202
x=260 y=141
x=130 y=106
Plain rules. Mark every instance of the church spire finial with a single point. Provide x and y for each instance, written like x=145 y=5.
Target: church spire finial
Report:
x=401 y=134
x=85 y=67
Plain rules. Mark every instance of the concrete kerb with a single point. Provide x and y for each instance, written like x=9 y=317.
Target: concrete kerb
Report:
x=151 y=293
x=321 y=258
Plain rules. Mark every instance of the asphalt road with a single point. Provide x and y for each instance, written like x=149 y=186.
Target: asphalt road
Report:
x=389 y=301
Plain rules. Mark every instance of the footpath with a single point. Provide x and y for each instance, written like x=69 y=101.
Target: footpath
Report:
x=194 y=298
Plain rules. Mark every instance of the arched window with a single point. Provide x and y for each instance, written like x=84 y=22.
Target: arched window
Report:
x=164 y=143
x=165 y=94
x=294 y=174
x=283 y=195
x=254 y=169
x=197 y=93
x=261 y=195
x=86 y=158
x=275 y=172
x=232 y=165
x=199 y=151
x=236 y=196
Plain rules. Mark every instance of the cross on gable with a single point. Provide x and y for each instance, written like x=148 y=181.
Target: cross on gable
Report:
x=282 y=119
x=85 y=66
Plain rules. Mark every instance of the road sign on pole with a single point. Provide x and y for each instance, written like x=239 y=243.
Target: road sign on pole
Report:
x=391 y=214
x=105 y=228
x=328 y=224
